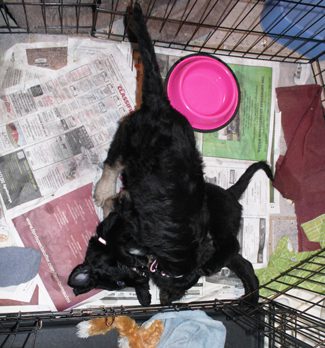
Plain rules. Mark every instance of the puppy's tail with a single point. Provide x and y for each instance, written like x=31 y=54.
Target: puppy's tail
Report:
x=137 y=32
x=240 y=186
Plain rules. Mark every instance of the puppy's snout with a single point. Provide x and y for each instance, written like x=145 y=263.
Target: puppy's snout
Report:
x=80 y=277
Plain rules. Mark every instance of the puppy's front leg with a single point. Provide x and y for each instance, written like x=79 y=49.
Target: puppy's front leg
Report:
x=113 y=165
x=106 y=186
x=167 y=296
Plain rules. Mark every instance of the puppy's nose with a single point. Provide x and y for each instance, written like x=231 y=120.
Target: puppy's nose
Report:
x=80 y=276
x=80 y=279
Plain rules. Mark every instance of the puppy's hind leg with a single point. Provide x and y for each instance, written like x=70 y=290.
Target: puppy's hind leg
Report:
x=244 y=270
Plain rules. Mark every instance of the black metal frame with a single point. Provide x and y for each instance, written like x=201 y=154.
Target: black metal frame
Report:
x=279 y=324
x=240 y=37
x=239 y=25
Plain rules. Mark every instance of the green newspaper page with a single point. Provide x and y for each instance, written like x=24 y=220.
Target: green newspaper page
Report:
x=247 y=136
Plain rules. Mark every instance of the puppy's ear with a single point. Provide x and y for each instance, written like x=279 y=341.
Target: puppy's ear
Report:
x=80 y=277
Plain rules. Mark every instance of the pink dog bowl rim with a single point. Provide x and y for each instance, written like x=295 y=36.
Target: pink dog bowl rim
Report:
x=227 y=68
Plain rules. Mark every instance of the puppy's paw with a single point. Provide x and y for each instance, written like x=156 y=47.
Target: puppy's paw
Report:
x=164 y=298
x=80 y=279
x=167 y=297
x=102 y=193
x=133 y=17
x=143 y=295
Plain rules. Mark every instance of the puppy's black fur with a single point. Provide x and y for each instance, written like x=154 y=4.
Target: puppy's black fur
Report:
x=188 y=227
x=101 y=268
x=220 y=248
x=162 y=169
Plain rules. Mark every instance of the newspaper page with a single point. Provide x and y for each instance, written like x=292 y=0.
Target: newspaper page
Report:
x=253 y=235
x=51 y=133
x=54 y=133
x=55 y=130
x=61 y=229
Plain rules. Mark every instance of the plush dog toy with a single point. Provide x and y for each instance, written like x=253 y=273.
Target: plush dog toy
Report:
x=131 y=335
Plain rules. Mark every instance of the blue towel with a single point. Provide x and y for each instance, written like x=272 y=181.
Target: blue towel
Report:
x=18 y=265
x=190 y=329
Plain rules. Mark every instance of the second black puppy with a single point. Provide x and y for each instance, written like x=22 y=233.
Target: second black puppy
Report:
x=220 y=247
x=154 y=149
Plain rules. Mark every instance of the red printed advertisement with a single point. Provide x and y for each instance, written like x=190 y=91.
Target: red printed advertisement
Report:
x=61 y=230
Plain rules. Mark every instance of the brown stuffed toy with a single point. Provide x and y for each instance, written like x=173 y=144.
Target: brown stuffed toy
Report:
x=131 y=334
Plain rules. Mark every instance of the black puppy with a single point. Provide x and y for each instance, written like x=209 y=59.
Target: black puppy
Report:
x=154 y=149
x=162 y=213
x=115 y=241
x=186 y=227
x=220 y=247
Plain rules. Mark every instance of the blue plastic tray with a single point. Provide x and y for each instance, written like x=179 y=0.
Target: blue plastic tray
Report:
x=301 y=19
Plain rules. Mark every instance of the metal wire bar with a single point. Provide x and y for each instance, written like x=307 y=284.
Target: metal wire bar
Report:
x=229 y=9
x=167 y=14
x=183 y=19
x=200 y=23
x=278 y=322
x=288 y=272
x=288 y=28
x=240 y=35
x=294 y=57
x=305 y=301
x=4 y=14
x=281 y=317
x=245 y=34
x=303 y=31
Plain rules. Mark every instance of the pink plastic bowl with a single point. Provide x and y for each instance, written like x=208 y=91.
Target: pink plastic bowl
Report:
x=204 y=90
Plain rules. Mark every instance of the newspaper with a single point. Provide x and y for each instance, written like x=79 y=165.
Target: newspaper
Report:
x=57 y=121
x=55 y=132
x=253 y=235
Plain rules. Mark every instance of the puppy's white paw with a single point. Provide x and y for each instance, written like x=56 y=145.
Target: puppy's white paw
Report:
x=102 y=192
x=83 y=329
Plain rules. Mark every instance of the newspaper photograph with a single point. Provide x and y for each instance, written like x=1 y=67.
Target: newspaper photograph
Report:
x=253 y=235
x=22 y=62
x=59 y=112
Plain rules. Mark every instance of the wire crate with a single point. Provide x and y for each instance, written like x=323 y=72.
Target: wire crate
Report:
x=273 y=323
x=238 y=28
